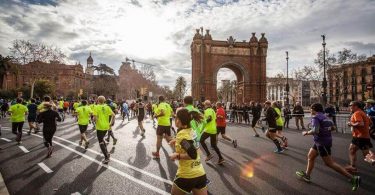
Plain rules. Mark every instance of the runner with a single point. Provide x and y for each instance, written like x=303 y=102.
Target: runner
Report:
x=359 y=124
x=370 y=111
x=279 y=125
x=31 y=118
x=48 y=117
x=101 y=114
x=18 y=112
x=66 y=107
x=92 y=107
x=153 y=109
x=221 y=124
x=190 y=176
x=210 y=131
x=47 y=100
x=83 y=113
x=270 y=117
x=125 y=111
x=141 y=115
x=113 y=107
x=256 y=112
x=197 y=119
x=60 y=109
x=163 y=113
x=76 y=104
x=321 y=130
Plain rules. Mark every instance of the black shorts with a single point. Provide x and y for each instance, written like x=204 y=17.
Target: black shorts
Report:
x=160 y=130
x=322 y=150
x=17 y=127
x=140 y=118
x=65 y=109
x=272 y=130
x=220 y=130
x=31 y=118
x=187 y=185
x=254 y=121
x=279 y=128
x=60 y=110
x=82 y=128
x=362 y=143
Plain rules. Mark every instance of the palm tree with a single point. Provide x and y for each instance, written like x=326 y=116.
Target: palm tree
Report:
x=180 y=88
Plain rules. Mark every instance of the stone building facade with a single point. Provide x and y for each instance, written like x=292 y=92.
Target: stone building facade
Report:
x=301 y=91
x=67 y=79
x=353 y=81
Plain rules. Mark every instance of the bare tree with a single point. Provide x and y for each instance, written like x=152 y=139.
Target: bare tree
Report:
x=25 y=51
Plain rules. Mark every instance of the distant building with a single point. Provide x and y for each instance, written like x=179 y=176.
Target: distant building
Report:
x=299 y=91
x=353 y=81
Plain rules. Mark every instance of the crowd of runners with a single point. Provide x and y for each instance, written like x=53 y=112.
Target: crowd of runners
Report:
x=186 y=125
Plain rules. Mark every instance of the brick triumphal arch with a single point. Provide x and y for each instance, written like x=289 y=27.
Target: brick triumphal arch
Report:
x=246 y=59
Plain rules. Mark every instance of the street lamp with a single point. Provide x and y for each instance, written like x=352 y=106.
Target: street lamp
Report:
x=324 y=72
x=201 y=67
x=287 y=79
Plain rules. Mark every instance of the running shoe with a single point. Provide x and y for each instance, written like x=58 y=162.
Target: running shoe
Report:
x=87 y=145
x=142 y=133
x=221 y=161
x=277 y=151
x=114 y=141
x=19 y=142
x=285 y=141
x=351 y=169
x=303 y=175
x=156 y=155
x=263 y=129
x=234 y=143
x=356 y=181
x=256 y=135
x=80 y=143
x=105 y=161
x=49 y=153
x=209 y=157
x=29 y=132
x=107 y=140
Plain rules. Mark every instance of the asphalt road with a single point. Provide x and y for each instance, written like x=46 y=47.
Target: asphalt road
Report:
x=252 y=168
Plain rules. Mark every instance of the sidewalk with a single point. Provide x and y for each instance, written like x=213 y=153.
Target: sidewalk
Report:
x=3 y=188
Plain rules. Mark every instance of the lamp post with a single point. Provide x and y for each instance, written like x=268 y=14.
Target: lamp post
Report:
x=287 y=79
x=201 y=68
x=32 y=89
x=324 y=72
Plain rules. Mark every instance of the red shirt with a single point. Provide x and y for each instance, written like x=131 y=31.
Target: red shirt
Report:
x=220 y=117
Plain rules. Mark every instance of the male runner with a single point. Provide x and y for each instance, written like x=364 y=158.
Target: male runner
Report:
x=101 y=114
x=83 y=113
x=163 y=114
x=279 y=124
x=153 y=110
x=60 y=109
x=271 y=117
x=141 y=115
x=359 y=124
x=125 y=111
x=321 y=130
x=31 y=118
x=210 y=131
x=221 y=124
x=113 y=107
x=256 y=112
x=66 y=107
x=92 y=107
x=18 y=112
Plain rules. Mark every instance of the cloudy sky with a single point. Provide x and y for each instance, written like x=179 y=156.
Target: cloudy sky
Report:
x=160 y=31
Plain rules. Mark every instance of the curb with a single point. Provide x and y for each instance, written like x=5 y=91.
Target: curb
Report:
x=3 y=187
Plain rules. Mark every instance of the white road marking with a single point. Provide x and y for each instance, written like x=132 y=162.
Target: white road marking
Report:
x=76 y=193
x=24 y=149
x=140 y=182
x=123 y=163
x=6 y=139
x=112 y=168
x=45 y=168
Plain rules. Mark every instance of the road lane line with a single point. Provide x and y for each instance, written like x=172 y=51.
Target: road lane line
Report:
x=112 y=159
x=24 y=149
x=45 y=168
x=140 y=182
x=5 y=139
x=123 y=163
x=76 y=193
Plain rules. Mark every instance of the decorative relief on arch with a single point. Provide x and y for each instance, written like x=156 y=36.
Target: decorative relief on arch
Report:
x=230 y=51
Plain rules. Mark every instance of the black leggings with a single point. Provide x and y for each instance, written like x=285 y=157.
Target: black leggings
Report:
x=213 y=144
x=103 y=146
x=48 y=135
x=17 y=129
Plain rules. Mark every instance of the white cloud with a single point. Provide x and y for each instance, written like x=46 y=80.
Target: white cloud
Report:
x=161 y=31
